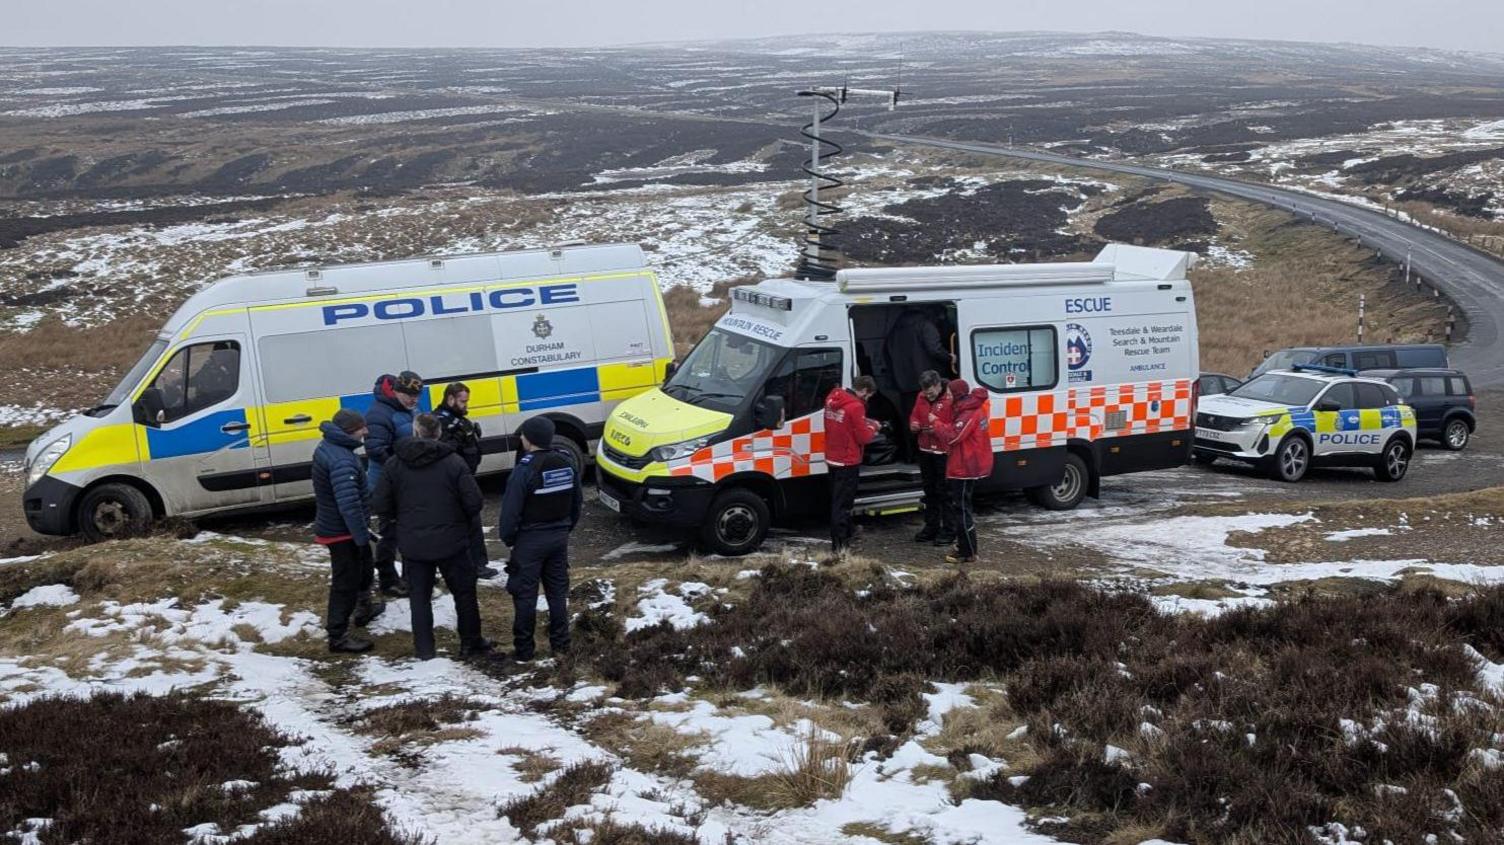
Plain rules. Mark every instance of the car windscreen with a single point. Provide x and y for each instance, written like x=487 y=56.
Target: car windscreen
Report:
x=1281 y=389
x=722 y=370
x=1285 y=359
x=122 y=390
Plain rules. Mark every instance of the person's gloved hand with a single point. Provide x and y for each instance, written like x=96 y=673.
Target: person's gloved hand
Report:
x=508 y=567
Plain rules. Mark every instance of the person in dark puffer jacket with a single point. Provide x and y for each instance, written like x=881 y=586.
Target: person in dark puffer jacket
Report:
x=430 y=492
x=341 y=524
x=390 y=418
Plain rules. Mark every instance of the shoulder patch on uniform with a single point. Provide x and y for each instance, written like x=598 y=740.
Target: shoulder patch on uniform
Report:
x=526 y=459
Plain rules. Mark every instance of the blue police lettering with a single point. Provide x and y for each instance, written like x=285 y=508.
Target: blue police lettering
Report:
x=401 y=308
x=1088 y=305
x=1348 y=438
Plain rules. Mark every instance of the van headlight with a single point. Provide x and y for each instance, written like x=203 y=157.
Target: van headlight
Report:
x=47 y=457
x=675 y=451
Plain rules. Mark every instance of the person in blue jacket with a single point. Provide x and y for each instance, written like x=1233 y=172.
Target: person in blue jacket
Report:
x=341 y=524
x=390 y=418
x=540 y=507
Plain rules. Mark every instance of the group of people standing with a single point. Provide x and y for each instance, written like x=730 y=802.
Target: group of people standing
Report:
x=418 y=482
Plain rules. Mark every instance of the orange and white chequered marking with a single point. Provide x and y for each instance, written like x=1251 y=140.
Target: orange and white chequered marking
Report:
x=1033 y=421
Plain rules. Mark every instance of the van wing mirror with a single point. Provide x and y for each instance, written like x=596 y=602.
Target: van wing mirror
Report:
x=669 y=370
x=769 y=412
x=149 y=409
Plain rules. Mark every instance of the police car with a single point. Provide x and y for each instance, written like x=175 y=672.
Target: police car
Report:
x=1290 y=420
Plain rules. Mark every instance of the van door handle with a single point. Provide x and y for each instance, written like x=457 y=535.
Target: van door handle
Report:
x=300 y=419
x=235 y=427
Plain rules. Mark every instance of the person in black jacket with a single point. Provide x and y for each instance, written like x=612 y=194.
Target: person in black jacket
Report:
x=463 y=434
x=427 y=489
x=341 y=524
x=394 y=401
x=539 y=509
x=913 y=346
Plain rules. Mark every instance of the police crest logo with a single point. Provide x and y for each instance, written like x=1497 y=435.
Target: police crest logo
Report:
x=542 y=328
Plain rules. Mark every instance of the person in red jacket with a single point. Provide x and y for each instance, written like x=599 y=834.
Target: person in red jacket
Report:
x=932 y=423
x=969 y=461
x=847 y=432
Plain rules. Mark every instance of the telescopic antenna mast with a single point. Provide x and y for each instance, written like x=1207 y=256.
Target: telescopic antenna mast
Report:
x=819 y=259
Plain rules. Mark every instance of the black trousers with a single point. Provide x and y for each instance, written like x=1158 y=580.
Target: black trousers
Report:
x=349 y=577
x=541 y=555
x=938 y=518
x=961 y=490
x=908 y=441
x=478 y=554
x=386 y=552
x=459 y=577
x=843 y=484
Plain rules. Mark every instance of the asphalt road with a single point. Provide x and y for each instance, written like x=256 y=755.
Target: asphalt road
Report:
x=1473 y=280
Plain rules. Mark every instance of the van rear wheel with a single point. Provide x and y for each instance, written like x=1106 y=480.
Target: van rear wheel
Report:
x=736 y=524
x=113 y=512
x=1066 y=493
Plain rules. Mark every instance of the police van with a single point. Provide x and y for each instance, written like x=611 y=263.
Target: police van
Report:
x=1310 y=415
x=1091 y=367
x=223 y=410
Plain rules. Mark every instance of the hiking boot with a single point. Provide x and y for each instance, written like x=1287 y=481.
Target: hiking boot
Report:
x=958 y=558
x=396 y=589
x=486 y=572
x=927 y=535
x=366 y=609
x=480 y=648
x=944 y=539
x=350 y=645
x=521 y=660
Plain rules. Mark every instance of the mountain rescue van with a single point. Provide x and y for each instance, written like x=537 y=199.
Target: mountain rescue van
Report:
x=1090 y=368
x=223 y=410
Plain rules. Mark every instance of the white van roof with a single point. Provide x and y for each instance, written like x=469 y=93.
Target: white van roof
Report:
x=1115 y=263
x=425 y=271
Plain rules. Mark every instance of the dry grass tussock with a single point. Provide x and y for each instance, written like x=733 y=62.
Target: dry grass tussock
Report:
x=1484 y=233
x=420 y=721
x=171 y=762
x=1250 y=727
x=1303 y=291
x=573 y=786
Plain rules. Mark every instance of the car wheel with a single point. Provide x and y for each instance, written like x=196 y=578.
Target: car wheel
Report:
x=1066 y=493
x=1394 y=461
x=113 y=512
x=1456 y=434
x=1291 y=459
x=737 y=523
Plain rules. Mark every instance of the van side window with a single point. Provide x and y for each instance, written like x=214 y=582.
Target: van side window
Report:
x=198 y=377
x=1375 y=360
x=1336 y=359
x=1014 y=359
x=329 y=363
x=804 y=379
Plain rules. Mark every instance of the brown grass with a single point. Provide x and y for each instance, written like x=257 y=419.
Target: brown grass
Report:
x=573 y=786
x=1485 y=234
x=532 y=765
x=688 y=319
x=1302 y=291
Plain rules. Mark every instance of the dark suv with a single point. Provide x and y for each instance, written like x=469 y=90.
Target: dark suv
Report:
x=1445 y=408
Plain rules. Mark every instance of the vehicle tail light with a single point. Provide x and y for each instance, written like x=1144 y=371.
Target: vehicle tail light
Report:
x=1472 y=402
x=1195 y=397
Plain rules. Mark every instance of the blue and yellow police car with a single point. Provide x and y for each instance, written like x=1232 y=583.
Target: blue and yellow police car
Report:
x=1290 y=420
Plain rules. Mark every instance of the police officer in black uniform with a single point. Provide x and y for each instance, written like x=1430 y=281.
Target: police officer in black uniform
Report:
x=540 y=507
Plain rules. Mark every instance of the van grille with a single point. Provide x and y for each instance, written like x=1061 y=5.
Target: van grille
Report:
x=1217 y=422
x=624 y=460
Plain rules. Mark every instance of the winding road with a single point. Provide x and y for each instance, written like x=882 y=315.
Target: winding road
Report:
x=1471 y=279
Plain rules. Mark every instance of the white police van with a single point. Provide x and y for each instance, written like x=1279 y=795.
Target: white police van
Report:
x=1290 y=420
x=1090 y=368
x=223 y=410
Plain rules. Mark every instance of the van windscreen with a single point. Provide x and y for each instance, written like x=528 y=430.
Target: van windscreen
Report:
x=123 y=390
x=723 y=370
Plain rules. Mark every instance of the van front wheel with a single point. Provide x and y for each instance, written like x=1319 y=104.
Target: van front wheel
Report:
x=112 y=512
x=1066 y=493
x=736 y=524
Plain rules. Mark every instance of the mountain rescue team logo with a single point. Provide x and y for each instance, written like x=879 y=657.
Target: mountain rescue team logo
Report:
x=1077 y=351
x=542 y=328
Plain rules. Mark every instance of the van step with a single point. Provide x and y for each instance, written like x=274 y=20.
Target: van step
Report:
x=889 y=502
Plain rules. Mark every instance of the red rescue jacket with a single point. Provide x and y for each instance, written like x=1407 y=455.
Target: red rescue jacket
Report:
x=847 y=428
x=971 y=446
x=933 y=437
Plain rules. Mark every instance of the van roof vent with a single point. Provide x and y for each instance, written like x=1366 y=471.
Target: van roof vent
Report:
x=875 y=280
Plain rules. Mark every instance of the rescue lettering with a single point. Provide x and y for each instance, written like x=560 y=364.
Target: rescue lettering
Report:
x=404 y=307
x=1088 y=305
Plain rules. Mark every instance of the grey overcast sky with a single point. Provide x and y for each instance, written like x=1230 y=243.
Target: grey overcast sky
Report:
x=1449 y=24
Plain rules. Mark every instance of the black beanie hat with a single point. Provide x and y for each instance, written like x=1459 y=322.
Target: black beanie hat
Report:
x=349 y=421
x=408 y=382
x=539 y=431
